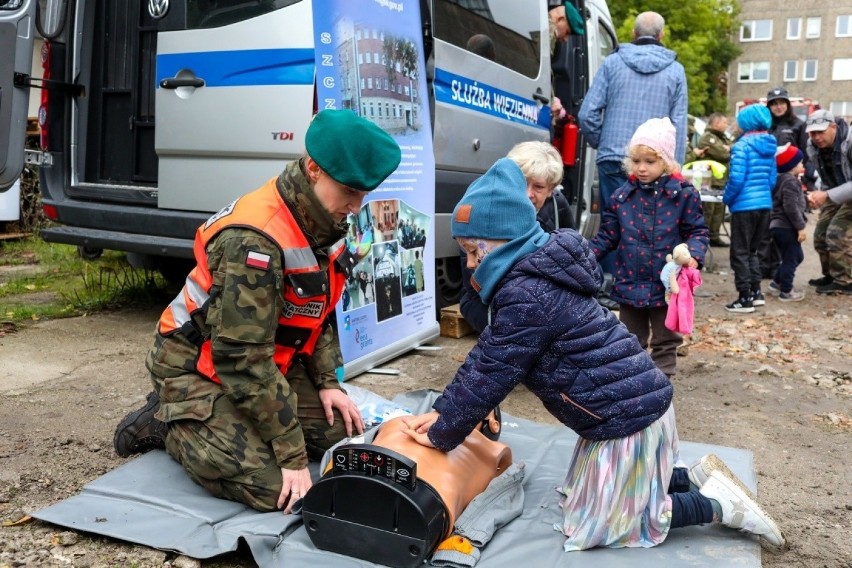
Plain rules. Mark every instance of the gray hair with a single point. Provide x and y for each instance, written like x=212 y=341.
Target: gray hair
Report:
x=649 y=24
x=538 y=160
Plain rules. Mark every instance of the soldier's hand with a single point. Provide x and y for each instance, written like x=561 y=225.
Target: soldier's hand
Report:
x=337 y=399
x=802 y=236
x=294 y=484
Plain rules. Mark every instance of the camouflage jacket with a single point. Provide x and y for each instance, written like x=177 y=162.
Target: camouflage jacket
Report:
x=714 y=143
x=242 y=347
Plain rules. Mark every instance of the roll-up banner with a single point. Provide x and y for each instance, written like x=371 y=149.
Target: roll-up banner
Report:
x=370 y=60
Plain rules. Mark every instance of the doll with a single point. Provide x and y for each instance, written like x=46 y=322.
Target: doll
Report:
x=674 y=261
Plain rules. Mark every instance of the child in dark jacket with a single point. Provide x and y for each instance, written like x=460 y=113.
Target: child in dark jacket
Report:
x=787 y=222
x=647 y=217
x=548 y=332
x=748 y=194
x=543 y=170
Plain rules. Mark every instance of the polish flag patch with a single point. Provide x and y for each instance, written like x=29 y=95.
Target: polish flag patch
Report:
x=258 y=260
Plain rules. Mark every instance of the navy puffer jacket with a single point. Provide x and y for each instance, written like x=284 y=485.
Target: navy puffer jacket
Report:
x=549 y=333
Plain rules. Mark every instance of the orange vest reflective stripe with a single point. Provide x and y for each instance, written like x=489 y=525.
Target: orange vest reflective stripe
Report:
x=310 y=294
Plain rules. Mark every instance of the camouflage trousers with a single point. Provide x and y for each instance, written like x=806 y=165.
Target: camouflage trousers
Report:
x=833 y=241
x=714 y=215
x=219 y=448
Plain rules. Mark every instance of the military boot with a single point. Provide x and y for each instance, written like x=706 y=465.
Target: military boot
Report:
x=140 y=431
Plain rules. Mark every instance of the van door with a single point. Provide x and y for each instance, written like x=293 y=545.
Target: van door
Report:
x=491 y=62
x=17 y=30
x=234 y=97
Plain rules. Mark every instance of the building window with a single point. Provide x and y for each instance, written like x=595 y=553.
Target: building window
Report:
x=844 y=26
x=813 y=26
x=363 y=84
x=754 y=72
x=809 y=70
x=756 y=30
x=841 y=70
x=841 y=108
x=357 y=34
x=369 y=82
x=360 y=58
x=791 y=70
x=794 y=28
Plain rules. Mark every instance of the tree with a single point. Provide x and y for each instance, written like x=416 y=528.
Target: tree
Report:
x=403 y=52
x=700 y=33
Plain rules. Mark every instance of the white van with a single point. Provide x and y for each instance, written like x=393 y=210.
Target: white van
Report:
x=157 y=113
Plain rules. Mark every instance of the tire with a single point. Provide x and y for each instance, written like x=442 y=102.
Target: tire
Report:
x=89 y=253
x=174 y=270
x=448 y=281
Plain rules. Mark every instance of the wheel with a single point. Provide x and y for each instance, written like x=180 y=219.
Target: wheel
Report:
x=89 y=253
x=174 y=270
x=448 y=281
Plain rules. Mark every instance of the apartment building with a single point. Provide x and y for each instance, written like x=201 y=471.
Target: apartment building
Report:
x=804 y=46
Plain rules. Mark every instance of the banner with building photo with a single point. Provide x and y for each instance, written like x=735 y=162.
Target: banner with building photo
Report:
x=370 y=60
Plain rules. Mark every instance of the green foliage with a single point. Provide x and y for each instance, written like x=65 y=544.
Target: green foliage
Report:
x=41 y=280
x=700 y=33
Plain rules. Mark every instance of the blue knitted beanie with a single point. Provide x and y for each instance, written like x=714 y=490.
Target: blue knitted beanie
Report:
x=496 y=207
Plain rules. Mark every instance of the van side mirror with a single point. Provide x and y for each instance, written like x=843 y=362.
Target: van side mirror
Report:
x=50 y=18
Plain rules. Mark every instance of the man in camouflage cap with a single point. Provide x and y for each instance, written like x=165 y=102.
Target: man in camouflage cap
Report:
x=245 y=357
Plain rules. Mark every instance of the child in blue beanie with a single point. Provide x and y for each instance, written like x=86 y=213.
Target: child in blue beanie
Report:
x=548 y=332
x=748 y=195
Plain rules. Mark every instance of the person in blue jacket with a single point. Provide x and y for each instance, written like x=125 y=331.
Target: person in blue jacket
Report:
x=549 y=333
x=748 y=195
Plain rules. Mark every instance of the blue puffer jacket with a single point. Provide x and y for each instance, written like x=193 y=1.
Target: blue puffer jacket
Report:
x=549 y=333
x=752 y=172
x=642 y=224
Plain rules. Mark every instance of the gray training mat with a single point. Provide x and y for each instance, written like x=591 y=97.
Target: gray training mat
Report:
x=151 y=501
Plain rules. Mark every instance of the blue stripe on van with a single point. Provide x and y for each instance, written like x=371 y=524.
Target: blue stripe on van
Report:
x=480 y=97
x=242 y=68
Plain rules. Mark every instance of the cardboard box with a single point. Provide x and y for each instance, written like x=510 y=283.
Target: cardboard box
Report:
x=453 y=323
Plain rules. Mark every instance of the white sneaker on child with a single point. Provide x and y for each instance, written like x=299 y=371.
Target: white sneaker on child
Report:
x=739 y=511
x=700 y=471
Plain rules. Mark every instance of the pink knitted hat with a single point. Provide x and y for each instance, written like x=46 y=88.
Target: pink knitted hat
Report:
x=659 y=135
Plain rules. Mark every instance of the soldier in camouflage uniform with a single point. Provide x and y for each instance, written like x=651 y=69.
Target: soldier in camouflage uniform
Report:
x=715 y=146
x=830 y=150
x=242 y=422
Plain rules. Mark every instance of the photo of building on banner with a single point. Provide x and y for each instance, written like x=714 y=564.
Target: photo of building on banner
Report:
x=369 y=59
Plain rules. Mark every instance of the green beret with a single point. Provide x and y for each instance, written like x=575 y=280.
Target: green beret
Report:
x=352 y=150
x=575 y=20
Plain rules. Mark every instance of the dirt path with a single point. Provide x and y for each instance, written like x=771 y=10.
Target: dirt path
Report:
x=776 y=382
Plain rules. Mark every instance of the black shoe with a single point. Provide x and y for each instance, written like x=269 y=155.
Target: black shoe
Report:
x=741 y=306
x=835 y=288
x=719 y=243
x=757 y=298
x=140 y=431
x=824 y=281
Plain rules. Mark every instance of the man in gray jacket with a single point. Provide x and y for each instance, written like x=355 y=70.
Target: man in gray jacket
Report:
x=638 y=81
x=830 y=150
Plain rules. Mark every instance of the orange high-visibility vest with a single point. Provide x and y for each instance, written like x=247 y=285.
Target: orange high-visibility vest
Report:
x=310 y=294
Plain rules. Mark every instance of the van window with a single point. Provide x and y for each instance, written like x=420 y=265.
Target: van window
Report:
x=216 y=13
x=506 y=31
x=607 y=40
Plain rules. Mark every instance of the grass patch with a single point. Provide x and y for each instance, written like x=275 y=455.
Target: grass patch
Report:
x=41 y=280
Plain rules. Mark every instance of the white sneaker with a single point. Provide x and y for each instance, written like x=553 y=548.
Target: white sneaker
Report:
x=700 y=471
x=739 y=511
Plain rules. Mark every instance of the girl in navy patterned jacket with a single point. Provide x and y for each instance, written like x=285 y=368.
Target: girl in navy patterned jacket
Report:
x=549 y=333
x=648 y=216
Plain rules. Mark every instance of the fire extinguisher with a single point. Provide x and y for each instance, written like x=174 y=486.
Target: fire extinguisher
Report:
x=568 y=146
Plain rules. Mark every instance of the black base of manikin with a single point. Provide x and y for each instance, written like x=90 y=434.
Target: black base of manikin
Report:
x=370 y=505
